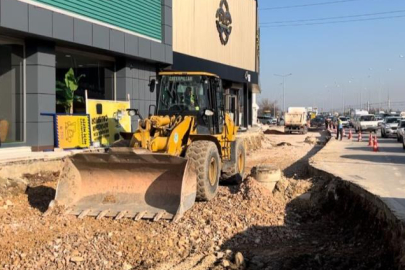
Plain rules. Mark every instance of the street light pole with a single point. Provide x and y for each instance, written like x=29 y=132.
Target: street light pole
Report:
x=387 y=85
x=324 y=101
x=283 y=76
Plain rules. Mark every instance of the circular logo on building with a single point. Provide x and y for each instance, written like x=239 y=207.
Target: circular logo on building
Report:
x=176 y=137
x=224 y=21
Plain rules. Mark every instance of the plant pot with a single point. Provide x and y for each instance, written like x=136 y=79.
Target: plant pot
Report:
x=3 y=130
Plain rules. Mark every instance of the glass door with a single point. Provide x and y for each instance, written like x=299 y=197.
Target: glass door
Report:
x=11 y=91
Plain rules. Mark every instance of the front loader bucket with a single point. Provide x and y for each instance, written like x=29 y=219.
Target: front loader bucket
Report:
x=125 y=184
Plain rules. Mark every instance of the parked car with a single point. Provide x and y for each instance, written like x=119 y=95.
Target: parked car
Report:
x=401 y=130
x=365 y=123
x=267 y=120
x=390 y=126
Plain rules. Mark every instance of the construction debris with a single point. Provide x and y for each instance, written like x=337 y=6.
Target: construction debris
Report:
x=245 y=227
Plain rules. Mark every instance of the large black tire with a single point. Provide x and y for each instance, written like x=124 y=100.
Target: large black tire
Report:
x=234 y=169
x=207 y=163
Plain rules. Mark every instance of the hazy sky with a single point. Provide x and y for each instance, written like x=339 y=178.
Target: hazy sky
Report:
x=326 y=59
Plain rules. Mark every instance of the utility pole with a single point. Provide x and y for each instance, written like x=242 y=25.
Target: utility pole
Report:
x=324 y=101
x=389 y=101
x=343 y=102
x=283 y=76
x=388 y=88
x=361 y=101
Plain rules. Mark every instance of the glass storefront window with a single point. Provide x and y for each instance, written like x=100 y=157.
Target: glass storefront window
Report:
x=11 y=91
x=87 y=72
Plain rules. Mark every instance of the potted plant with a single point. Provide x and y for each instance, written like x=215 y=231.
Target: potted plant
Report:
x=65 y=91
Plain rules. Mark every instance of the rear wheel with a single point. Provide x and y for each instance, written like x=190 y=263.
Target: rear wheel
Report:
x=205 y=158
x=235 y=169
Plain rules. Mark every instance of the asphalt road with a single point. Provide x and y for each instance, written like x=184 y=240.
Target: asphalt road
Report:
x=381 y=173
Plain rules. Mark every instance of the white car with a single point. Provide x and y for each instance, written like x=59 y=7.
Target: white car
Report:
x=390 y=126
x=401 y=130
x=365 y=123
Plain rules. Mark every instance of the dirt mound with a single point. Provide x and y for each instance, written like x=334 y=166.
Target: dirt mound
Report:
x=273 y=132
x=40 y=178
x=253 y=190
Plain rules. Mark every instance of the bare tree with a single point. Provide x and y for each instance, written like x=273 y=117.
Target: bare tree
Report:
x=266 y=106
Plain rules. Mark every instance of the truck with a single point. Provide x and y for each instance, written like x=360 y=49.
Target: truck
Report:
x=295 y=120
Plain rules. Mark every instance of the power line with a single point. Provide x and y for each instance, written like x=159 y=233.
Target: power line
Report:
x=333 y=18
x=309 y=5
x=333 y=22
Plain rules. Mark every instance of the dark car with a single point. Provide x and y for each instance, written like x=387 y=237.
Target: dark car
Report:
x=318 y=121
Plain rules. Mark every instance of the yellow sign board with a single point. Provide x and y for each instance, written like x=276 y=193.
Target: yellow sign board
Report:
x=108 y=118
x=73 y=131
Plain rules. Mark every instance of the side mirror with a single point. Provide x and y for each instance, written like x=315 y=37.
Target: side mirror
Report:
x=208 y=113
x=152 y=85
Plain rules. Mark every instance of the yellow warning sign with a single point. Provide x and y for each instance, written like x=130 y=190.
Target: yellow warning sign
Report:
x=73 y=131
x=108 y=118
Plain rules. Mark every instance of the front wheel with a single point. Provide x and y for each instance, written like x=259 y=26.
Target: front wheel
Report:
x=205 y=158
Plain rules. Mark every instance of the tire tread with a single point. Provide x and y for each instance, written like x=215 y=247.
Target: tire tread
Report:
x=197 y=153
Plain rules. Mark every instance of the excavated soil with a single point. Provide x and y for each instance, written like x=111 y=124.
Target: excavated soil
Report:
x=244 y=227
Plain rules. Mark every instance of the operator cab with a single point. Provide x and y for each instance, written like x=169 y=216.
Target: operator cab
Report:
x=192 y=94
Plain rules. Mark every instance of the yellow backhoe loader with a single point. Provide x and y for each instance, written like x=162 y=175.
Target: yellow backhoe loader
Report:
x=177 y=155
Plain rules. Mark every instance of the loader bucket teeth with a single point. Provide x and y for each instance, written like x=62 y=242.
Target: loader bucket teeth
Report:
x=123 y=183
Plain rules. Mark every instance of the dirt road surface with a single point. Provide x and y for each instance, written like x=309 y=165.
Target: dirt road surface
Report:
x=244 y=227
